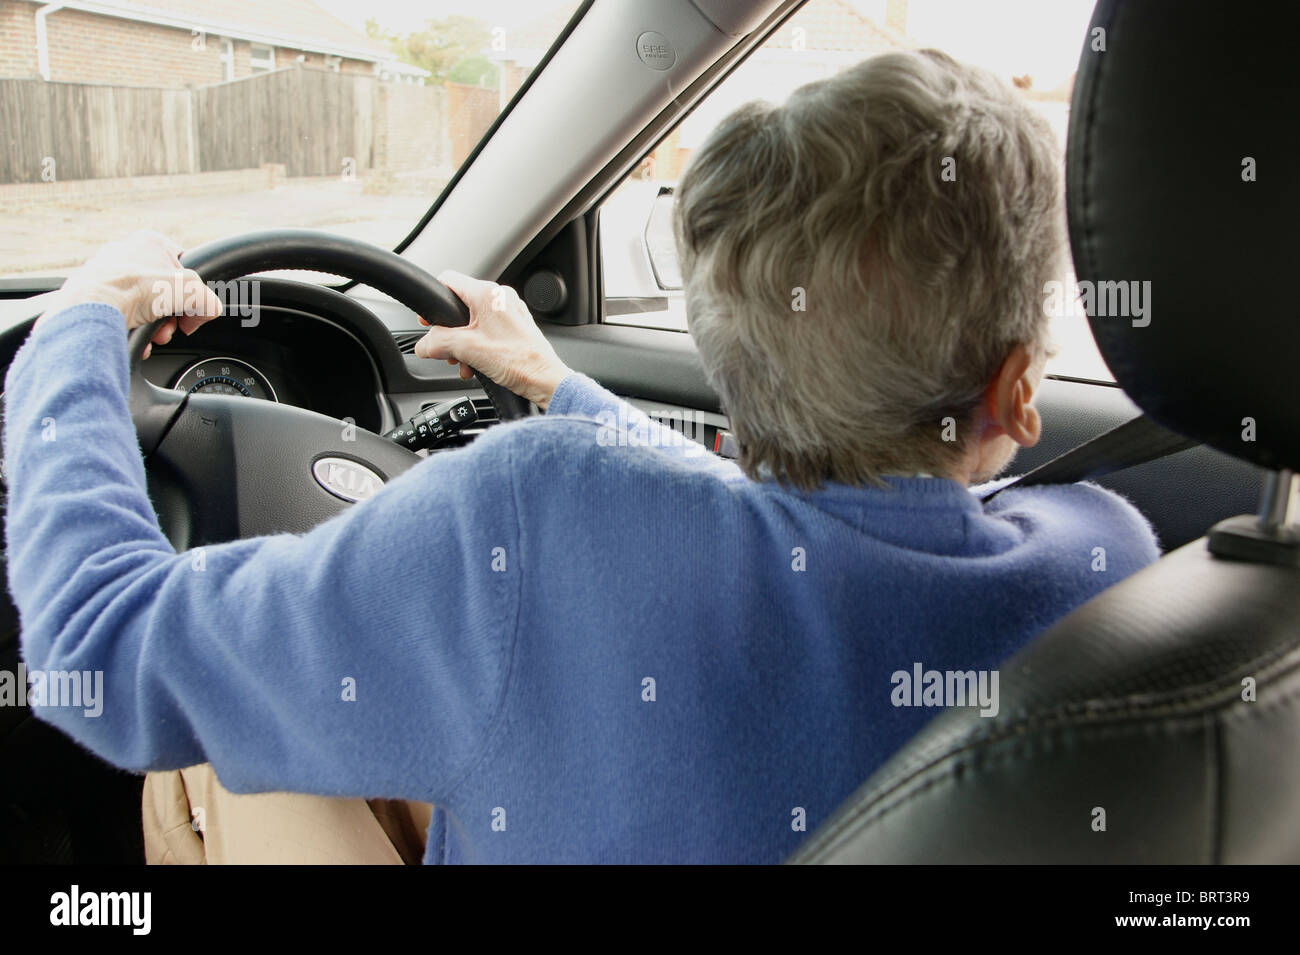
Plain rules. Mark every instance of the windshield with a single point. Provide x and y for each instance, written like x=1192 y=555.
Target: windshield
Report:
x=208 y=118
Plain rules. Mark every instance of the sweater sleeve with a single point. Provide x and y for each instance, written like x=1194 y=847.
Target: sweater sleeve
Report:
x=366 y=658
x=625 y=425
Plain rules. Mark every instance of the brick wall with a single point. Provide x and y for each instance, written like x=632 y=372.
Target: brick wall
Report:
x=284 y=56
x=17 y=39
x=470 y=111
x=411 y=132
x=667 y=160
x=85 y=48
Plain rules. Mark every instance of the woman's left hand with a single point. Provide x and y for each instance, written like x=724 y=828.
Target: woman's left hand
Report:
x=142 y=277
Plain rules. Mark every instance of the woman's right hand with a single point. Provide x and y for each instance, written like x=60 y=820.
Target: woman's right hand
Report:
x=501 y=341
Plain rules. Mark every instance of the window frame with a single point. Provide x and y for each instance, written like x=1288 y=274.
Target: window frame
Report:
x=261 y=64
x=227 y=59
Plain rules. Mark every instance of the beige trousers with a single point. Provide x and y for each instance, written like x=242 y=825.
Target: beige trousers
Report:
x=189 y=818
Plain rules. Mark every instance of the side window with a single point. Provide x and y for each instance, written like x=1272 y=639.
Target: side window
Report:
x=642 y=281
x=261 y=58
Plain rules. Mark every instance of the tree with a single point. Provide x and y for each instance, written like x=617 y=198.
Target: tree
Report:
x=474 y=71
x=451 y=49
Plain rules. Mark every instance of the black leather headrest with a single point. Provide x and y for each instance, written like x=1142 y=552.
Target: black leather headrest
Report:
x=1183 y=170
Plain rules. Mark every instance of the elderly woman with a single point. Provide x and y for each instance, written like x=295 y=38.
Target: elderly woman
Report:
x=618 y=650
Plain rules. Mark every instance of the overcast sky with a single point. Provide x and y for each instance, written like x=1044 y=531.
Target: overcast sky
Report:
x=1038 y=37
x=1011 y=37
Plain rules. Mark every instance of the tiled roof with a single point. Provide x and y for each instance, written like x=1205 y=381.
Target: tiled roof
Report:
x=834 y=25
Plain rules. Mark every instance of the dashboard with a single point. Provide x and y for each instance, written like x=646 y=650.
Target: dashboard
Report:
x=223 y=375
x=343 y=356
x=288 y=356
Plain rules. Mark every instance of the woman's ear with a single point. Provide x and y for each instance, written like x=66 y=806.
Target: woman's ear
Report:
x=1009 y=398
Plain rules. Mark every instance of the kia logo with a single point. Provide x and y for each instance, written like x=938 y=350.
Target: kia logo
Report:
x=346 y=479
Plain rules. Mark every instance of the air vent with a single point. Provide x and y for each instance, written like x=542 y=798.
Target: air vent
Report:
x=689 y=424
x=679 y=423
x=487 y=412
x=406 y=341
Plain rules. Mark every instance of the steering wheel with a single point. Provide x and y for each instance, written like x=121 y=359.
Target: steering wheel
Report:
x=247 y=467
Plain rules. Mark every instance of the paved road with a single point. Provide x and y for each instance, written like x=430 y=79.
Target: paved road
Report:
x=49 y=239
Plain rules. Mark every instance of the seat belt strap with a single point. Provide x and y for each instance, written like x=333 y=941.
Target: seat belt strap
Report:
x=1134 y=442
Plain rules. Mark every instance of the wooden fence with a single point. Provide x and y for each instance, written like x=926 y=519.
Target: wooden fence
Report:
x=309 y=120
x=314 y=122
x=75 y=131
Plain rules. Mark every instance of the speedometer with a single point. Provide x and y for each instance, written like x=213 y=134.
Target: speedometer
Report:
x=225 y=376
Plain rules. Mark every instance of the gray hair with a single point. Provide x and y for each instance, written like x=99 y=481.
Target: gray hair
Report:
x=915 y=285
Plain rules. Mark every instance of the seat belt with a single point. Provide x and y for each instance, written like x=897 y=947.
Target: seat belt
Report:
x=1134 y=442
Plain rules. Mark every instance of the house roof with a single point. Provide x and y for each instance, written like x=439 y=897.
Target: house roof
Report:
x=835 y=25
x=291 y=24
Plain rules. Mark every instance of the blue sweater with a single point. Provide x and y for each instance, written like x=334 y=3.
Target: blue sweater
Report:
x=579 y=647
